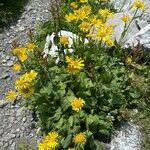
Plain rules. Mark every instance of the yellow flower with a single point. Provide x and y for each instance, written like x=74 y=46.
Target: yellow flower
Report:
x=16 y=51
x=85 y=26
x=104 y=31
x=43 y=146
x=105 y=13
x=95 y=21
x=108 y=41
x=11 y=95
x=77 y=104
x=24 y=84
x=138 y=4
x=74 y=5
x=22 y=56
x=79 y=138
x=16 y=67
x=26 y=92
x=129 y=60
x=125 y=18
x=70 y=17
x=30 y=46
x=87 y=9
x=82 y=13
x=49 y=142
x=64 y=40
x=74 y=66
x=32 y=75
x=83 y=1
x=21 y=53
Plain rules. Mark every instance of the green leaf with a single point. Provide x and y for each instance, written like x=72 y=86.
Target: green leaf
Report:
x=66 y=102
x=66 y=141
x=59 y=124
x=118 y=100
x=47 y=90
x=70 y=121
x=98 y=145
x=135 y=95
x=104 y=131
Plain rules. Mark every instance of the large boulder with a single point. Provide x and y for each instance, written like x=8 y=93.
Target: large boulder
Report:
x=139 y=30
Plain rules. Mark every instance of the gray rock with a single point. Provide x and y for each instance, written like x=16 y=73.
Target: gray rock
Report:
x=6 y=145
x=1 y=144
x=13 y=146
x=22 y=28
x=24 y=119
x=9 y=136
x=127 y=138
x=133 y=34
x=143 y=36
x=3 y=103
x=4 y=76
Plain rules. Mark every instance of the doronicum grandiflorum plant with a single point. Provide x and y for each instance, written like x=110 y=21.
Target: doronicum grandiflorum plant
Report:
x=80 y=97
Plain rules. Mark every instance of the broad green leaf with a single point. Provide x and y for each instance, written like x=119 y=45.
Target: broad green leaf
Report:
x=65 y=143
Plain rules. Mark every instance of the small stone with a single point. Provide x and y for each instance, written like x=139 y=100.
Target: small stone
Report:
x=18 y=135
x=17 y=130
x=7 y=58
x=10 y=63
x=4 y=76
x=21 y=28
x=10 y=142
x=4 y=60
x=9 y=136
x=1 y=144
x=13 y=146
x=24 y=119
x=3 y=103
x=6 y=145
x=23 y=128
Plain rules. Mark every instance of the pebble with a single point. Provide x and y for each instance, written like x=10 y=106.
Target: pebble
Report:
x=21 y=28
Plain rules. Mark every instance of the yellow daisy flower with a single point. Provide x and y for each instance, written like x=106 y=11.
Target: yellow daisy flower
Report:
x=105 y=13
x=26 y=92
x=21 y=53
x=70 y=17
x=74 y=5
x=74 y=66
x=16 y=67
x=138 y=4
x=79 y=138
x=11 y=95
x=125 y=18
x=30 y=46
x=77 y=104
x=64 y=40
x=49 y=142
x=85 y=26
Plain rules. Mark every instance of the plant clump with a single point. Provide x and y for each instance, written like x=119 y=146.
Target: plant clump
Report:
x=83 y=84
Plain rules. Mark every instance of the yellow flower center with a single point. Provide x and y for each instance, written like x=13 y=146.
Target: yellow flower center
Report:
x=125 y=18
x=77 y=104
x=80 y=138
x=64 y=40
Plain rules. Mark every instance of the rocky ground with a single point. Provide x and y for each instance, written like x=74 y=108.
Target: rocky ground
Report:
x=16 y=122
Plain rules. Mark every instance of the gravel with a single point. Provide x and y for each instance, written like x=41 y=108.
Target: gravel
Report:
x=16 y=122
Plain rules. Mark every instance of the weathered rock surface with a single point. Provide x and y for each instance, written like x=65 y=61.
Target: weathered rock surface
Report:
x=127 y=138
x=138 y=30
